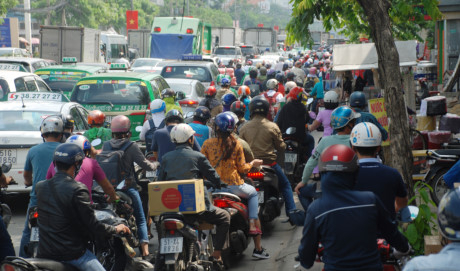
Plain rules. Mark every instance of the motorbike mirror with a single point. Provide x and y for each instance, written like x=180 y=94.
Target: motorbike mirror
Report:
x=309 y=101
x=6 y=167
x=180 y=95
x=96 y=142
x=408 y=214
x=290 y=130
x=138 y=129
x=189 y=115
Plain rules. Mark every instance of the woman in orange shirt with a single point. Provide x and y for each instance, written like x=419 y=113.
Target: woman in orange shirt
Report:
x=225 y=153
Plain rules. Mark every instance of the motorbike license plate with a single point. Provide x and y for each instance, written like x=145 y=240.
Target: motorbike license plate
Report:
x=34 y=236
x=150 y=174
x=260 y=194
x=8 y=156
x=290 y=157
x=171 y=245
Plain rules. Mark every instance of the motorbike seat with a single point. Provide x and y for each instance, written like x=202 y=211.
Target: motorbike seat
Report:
x=51 y=265
x=448 y=152
x=226 y=194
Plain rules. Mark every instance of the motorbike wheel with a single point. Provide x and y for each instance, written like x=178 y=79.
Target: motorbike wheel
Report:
x=439 y=186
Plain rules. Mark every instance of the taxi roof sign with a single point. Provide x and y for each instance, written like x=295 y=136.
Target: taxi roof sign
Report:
x=69 y=59
x=118 y=66
x=192 y=57
x=12 y=67
x=35 y=96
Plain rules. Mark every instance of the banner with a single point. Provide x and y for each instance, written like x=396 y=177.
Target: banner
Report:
x=131 y=20
x=377 y=108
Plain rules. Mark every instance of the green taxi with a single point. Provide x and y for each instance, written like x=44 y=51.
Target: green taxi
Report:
x=120 y=93
x=62 y=78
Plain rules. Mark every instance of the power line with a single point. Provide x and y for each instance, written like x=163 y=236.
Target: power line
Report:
x=41 y=10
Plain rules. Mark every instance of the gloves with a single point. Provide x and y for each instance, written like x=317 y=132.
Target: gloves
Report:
x=157 y=164
x=398 y=254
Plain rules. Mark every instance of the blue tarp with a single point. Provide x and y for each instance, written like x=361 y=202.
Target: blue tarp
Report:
x=171 y=46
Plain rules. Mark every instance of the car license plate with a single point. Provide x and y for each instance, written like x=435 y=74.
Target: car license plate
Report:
x=34 y=236
x=8 y=156
x=290 y=157
x=260 y=194
x=171 y=245
x=150 y=174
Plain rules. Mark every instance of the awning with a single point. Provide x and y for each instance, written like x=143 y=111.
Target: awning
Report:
x=23 y=40
x=364 y=56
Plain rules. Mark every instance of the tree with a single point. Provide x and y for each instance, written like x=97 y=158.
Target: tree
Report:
x=4 y=6
x=385 y=18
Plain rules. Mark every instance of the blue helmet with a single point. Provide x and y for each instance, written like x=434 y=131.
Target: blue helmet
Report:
x=358 y=99
x=68 y=153
x=225 y=82
x=341 y=116
x=203 y=113
x=228 y=99
x=225 y=122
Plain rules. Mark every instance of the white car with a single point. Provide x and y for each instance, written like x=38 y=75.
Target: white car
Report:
x=20 y=120
x=15 y=81
x=193 y=90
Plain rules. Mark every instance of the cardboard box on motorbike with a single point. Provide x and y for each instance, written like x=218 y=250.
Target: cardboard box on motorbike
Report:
x=185 y=196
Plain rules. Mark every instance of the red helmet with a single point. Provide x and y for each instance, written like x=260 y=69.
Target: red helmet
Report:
x=120 y=124
x=295 y=93
x=96 y=117
x=211 y=91
x=244 y=90
x=338 y=158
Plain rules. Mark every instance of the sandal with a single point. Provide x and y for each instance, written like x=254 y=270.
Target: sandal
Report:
x=255 y=232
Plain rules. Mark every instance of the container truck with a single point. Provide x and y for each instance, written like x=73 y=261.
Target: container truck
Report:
x=261 y=38
x=139 y=40
x=224 y=36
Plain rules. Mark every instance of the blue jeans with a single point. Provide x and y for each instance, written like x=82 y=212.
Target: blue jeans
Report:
x=307 y=193
x=6 y=245
x=87 y=262
x=248 y=192
x=285 y=189
x=138 y=214
x=25 y=239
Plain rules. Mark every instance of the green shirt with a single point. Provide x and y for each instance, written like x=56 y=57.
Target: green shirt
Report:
x=104 y=134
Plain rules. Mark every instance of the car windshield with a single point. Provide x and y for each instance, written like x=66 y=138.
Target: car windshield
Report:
x=247 y=50
x=22 y=120
x=62 y=81
x=187 y=72
x=225 y=51
x=6 y=52
x=184 y=87
x=111 y=92
x=144 y=62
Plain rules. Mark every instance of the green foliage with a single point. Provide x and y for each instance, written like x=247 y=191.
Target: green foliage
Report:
x=425 y=222
x=5 y=5
x=406 y=16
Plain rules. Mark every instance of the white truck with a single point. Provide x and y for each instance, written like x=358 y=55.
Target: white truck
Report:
x=83 y=43
x=225 y=36
x=261 y=38
x=139 y=40
x=112 y=44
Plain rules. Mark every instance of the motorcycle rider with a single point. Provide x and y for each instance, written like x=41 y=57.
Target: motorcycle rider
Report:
x=331 y=102
x=239 y=74
x=65 y=216
x=345 y=221
x=299 y=73
x=244 y=95
x=200 y=117
x=264 y=137
x=358 y=103
x=225 y=88
x=194 y=165
x=227 y=101
x=37 y=162
x=69 y=125
x=239 y=108
x=6 y=245
x=169 y=96
x=448 y=221
x=121 y=135
x=253 y=83
x=384 y=181
x=211 y=102
x=96 y=121
x=273 y=97
x=158 y=110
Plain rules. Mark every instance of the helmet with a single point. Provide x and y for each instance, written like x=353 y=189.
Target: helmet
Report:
x=331 y=97
x=365 y=134
x=272 y=84
x=449 y=215
x=96 y=117
x=203 y=113
x=290 y=85
x=211 y=91
x=327 y=61
x=244 y=90
x=167 y=92
x=225 y=122
x=357 y=99
x=157 y=106
x=295 y=93
x=52 y=124
x=338 y=158
x=290 y=75
x=181 y=132
x=80 y=141
x=69 y=122
x=263 y=70
x=259 y=105
x=68 y=153
x=174 y=115
x=234 y=116
x=249 y=62
x=279 y=77
x=219 y=78
x=120 y=124
x=225 y=82
x=341 y=116
x=313 y=71
x=239 y=108
x=228 y=99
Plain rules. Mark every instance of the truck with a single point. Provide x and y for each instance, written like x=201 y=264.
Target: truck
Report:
x=261 y=38
x=112 y=44
x=173 y=37
x=224 y=36
x=83 y=43
x=139 y=40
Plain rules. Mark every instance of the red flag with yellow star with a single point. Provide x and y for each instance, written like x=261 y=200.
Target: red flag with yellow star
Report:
x=131 y=19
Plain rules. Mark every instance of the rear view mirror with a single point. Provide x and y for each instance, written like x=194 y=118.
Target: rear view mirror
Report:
x=96 y=142
x=6 y=167
x=180 y=95
x=189 y=114
x=290 y=130
x=138 y=129
x=408 y=214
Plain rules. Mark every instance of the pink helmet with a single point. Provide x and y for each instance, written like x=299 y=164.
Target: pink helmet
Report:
x=313 y=71
x=120 y=124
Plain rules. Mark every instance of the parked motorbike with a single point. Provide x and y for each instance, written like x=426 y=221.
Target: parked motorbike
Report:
x=293 y=162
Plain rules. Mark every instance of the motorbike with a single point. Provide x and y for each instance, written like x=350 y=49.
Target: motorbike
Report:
x=5 y=210
x=293 y=162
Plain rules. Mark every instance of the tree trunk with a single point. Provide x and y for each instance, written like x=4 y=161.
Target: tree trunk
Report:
x=390 y=80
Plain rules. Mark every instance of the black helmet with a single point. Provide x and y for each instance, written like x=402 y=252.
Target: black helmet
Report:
x=68 y=153
x=290 y=76
x=238 y=107
x=174 y=115
x=202 y=113
x=259 y=105
x=167 y=92
x=449 y=215
x=69 y=122
x=280 y=77
x=358 y=99
x=338 y=158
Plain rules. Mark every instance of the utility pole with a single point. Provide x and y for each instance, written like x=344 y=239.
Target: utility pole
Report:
x=132 y=5
x=27 y=25
x=188 y=7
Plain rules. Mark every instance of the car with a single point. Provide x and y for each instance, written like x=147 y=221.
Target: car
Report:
x=193 y=91
x=203 y=71
x=13 y=52
x=146 y=62
x=125 y=93
x=228 y=53
x=250 y=51
x=20 y=118
x=14 y=81
x=28 y=64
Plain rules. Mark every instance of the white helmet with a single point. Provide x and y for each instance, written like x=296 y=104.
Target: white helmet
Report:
x=181 y=133
x=80 y=141
x=290 y=85
x=331 y=97
x=157 y=106
x=365 y=134
x=272 y=83
x=52 y=124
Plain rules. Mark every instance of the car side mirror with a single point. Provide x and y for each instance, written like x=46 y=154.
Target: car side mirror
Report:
x=180 y=95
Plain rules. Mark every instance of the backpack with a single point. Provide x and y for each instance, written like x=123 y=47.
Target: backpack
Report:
x=110 y=162
x=309 y=84
x=149 y=134
x=272 y=110
x=254 y=87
